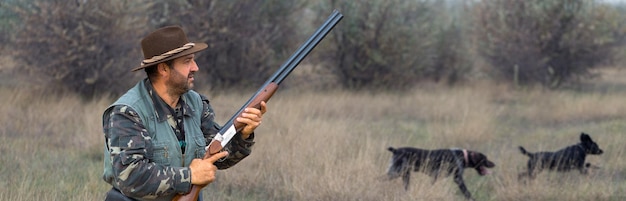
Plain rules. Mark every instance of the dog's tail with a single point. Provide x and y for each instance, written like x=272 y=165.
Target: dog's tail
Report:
x=524 y=151
x=393 y=150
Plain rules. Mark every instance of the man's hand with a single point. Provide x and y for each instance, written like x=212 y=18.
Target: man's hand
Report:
x=252 y=118
x=203 y=171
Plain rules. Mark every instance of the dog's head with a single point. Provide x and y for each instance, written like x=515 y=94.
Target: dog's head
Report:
x=479 y=162
x=589 y=145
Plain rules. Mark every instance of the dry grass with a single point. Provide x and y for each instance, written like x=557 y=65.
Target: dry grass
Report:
x=49 y=147
x=332 y=146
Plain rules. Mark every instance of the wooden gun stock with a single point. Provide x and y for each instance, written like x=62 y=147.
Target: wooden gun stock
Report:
x=264 y=94
x=216 y=146
x=191 y=196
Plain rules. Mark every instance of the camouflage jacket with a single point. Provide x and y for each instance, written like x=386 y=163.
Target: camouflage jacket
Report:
x=131 y=163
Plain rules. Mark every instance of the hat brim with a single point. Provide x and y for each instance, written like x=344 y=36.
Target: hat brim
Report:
x=196 y=48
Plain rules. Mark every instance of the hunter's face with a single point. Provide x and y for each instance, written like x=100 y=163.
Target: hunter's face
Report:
x=182 y=74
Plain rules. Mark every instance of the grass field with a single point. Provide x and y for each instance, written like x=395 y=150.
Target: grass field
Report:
x=332 y=146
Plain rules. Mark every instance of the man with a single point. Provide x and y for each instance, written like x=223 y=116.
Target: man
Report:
x=156 y=133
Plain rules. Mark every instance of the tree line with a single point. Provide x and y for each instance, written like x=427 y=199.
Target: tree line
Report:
x=89 y=46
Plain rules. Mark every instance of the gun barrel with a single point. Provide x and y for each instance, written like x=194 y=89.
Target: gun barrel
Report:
x=294 y=59
x=267 y=90
x=306 y=48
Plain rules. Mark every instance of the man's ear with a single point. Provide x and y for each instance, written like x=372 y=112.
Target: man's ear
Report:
x=162 y=68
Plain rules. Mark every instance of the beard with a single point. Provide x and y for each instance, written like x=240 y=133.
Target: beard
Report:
x=178 y=83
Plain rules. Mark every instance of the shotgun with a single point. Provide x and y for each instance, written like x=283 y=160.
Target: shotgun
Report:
x=228 y=131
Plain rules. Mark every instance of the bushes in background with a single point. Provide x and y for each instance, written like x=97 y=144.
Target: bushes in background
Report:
x=90 y=46
x=371 y=52
x=546 y=42
x=83 y=46
x=248 y=40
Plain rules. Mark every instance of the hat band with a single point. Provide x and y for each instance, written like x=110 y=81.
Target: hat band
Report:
x=167 y=54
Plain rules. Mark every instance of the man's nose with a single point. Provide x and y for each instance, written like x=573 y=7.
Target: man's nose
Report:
x=194 y=67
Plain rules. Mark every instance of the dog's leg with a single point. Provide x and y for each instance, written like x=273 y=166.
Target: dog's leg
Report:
x=584 y=170
x=521 y=176
x=532 y=171
x=589 y=167
x=525 y=174
x=582 y=167
x=532 y=175
x=435 y=176
x=458 y=179
x=405 y=178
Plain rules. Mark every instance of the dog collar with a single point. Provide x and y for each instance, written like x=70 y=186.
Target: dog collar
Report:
x=465 y=156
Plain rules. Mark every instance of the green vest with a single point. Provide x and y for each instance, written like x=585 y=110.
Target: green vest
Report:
x=166 y=148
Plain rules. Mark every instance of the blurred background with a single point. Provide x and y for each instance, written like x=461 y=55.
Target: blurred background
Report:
x=486 y=75
x=87 y=46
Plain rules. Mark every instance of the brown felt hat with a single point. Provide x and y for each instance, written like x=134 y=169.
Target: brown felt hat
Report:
x=165 y=44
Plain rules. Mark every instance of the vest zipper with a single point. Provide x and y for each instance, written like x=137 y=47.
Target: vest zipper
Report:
x=165 y=155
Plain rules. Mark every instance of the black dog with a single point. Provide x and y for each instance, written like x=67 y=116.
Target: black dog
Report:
x=443 y=162
x=569 y=158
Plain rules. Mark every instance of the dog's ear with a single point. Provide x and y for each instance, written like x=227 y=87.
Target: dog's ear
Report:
x=584 y=137
x=474 y=157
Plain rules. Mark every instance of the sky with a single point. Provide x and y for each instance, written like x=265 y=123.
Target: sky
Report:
x=614 y=1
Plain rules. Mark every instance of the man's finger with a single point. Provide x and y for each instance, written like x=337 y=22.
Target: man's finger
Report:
x=217 y=156
x=263 y=107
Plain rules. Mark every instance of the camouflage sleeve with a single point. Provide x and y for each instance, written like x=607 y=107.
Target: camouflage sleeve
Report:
x=130 y=146
x=238 y=147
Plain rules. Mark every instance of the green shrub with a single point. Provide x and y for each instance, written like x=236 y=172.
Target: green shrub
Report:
x=83 y=46
x=394 y=44
x=377 y=44
x=8 y=20
x=546 y=42
x=248 y=40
